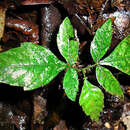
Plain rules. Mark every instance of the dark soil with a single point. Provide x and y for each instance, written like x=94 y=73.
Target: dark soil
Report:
x=48 y=108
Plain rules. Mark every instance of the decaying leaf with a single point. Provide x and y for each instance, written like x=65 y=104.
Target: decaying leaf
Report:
x=2 y=21
x=36 y=2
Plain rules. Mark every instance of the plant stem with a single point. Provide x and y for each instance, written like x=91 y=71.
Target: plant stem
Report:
x=86 y=68
x=89 y=67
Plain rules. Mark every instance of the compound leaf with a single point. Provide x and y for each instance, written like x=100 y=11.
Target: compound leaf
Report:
x=91 y=100
x=68 y=48
x=120 y=57
x=101 y=41
x=108 y=82
x=70 y=83
x=29 y=66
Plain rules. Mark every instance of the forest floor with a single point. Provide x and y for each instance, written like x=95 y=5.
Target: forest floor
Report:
x=48 y=108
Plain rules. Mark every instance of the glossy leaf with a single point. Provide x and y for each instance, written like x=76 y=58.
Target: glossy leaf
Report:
x=91 y=100
x=71 y=83
x=120 y=57
x=29 y=66
x=108 y=82
x=68 y=48
x=101 y=41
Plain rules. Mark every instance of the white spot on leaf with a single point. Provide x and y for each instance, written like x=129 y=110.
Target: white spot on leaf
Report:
x=28 y=79
x=18 y=73
x=93 y=45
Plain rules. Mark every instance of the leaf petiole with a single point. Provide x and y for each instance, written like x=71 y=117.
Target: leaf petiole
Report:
x=86 y=68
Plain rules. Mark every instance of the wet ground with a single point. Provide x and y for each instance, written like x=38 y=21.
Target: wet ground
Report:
x=48 y=108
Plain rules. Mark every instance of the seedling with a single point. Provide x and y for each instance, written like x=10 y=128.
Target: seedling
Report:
x=32 y=66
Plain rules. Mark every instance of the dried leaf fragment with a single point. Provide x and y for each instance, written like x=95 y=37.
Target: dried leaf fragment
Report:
x=35 y=2
x=2 y=21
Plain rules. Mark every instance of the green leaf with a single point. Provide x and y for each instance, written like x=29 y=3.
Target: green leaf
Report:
x=101 y=41
x=91 y=100
x=120 y=57
x=29 y=66
x=108 y=82
x=68 y=48
x=71 y=83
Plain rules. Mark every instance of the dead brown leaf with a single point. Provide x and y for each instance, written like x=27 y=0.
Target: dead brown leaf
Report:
x=2 y=21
